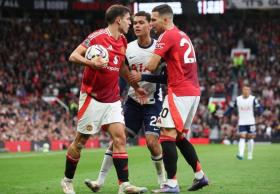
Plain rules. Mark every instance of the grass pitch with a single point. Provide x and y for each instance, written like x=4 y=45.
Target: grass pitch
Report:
x=40 y=173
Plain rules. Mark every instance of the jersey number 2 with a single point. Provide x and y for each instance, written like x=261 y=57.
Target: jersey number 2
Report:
x=190 y=49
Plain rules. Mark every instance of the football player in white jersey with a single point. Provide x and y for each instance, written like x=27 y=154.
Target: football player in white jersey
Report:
x=246 y=105
x=136 y=113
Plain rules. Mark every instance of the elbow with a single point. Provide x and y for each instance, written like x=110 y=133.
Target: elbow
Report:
x=71 y=58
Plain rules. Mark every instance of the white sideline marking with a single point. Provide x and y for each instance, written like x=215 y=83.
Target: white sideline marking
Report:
x=51 y=153
x=39 y=154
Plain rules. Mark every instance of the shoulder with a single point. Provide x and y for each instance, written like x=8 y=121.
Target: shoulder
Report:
x=238 y=98
x=132 y=43
x=163 y=35
x=98 y=33
x=252 y=98
x=132 y=46
x=123 y=38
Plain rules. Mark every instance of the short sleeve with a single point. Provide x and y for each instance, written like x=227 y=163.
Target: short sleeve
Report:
x=164 y=43
x=90 y=40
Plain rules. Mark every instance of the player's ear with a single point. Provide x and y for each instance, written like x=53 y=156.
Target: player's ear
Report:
x=118 y=20
x=150 y=26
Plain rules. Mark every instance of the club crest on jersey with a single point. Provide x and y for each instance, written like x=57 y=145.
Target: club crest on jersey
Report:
x=89 y=127
x=116 y=60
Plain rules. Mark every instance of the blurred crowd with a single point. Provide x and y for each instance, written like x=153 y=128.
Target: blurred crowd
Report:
x=218 y=74
x=33 y=61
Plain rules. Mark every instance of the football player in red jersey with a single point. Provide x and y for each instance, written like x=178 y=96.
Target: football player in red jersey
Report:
x=99 y=103
x=180 y=105
x=139 y=116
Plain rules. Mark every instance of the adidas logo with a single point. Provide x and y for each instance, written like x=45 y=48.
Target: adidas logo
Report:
x=110 y=47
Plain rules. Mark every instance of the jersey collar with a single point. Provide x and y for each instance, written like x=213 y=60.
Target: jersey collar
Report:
x=145 y=47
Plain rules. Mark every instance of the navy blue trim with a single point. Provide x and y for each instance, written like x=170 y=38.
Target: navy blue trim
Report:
x=145 y=47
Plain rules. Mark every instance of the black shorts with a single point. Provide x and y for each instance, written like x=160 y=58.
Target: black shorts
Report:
x=138 y=116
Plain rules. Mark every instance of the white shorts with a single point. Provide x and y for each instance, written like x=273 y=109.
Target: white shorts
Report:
x=178 y=112
x=93 y=115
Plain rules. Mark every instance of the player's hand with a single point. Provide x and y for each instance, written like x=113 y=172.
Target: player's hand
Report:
x=98 y=62
x=134 y=76
x=141 y=95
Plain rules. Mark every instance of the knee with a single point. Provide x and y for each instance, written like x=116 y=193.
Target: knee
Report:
x=119 y=140
x=74 y=150
x=242 y=136
x=76 y=146
x=151 y=144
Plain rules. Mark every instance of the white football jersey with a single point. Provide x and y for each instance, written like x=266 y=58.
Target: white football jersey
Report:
x=245 y=107
x=137 y=58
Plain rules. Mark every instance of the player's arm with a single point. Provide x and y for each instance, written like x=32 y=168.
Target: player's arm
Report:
x=77 y=56
x=161 y=79
x=137 y=77
x=124 y=73
x=140 y=92
x=153 y=63
x=165 y=42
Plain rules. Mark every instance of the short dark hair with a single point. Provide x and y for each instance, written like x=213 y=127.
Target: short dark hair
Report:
x=145 y=14
x=246 y=84
x=163 y=9
x=114 y=11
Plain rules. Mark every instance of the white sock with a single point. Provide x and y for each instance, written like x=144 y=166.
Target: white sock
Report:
x=241 y=146
x=250 y=148
x=199 y=175
x=67 y=179
x=158 y=162
x=172 y=182
x=107 y=163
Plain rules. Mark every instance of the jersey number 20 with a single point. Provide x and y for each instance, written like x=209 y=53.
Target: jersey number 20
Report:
x=190 y=49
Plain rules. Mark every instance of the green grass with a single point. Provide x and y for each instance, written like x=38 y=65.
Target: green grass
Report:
x=40 y=173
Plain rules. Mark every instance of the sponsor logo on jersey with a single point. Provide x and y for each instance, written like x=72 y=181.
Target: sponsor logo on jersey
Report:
x=116 y=60
x=111 y=68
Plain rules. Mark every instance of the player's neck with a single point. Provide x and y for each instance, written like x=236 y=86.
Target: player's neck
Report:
x=114 y=31
x=169 y=26
x=144 y=41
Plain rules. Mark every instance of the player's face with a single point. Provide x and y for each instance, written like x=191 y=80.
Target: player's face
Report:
x=246 y=91
x=124 y=23
x=141 y=26
x=157 y=23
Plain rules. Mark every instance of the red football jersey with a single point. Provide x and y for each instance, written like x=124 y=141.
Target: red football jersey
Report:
x=103 y=84
x=175 y=47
